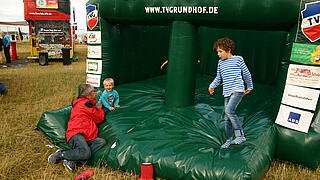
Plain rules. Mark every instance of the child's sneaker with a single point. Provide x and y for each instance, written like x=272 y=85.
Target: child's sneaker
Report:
x=226 y=144
x=55 y=157
x=238 y=140
x=70 y=165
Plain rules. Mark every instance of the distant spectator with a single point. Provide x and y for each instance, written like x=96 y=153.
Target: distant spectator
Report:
x=1 y=52
x=6 y=45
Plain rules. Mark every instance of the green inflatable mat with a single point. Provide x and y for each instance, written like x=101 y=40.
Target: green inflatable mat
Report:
x=181 y=143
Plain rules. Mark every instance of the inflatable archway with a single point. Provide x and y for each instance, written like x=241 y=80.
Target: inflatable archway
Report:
x=168 y=118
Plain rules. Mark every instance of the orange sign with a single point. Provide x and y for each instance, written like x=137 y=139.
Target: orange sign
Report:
x=47 y=4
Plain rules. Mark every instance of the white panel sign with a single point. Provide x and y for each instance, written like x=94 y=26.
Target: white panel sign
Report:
x=294 y=118
x=94 y=37
x=94 y=66
x=93 y=79
x=301 y=97
x=301 y=75
x=94 y=51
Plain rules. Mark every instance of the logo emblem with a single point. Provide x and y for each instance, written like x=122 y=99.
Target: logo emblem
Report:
x=310 y=24
x=92 y=16
x=41 y=3
x=294 y=118
x=92 y=37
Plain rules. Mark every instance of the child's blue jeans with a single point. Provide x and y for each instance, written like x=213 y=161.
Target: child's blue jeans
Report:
x=81 y=149
x=232 y=123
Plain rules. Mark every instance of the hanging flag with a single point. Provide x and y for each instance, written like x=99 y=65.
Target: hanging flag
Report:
x=20 y=34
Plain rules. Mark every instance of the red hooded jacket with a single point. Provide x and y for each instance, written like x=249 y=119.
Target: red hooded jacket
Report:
x=84 y=118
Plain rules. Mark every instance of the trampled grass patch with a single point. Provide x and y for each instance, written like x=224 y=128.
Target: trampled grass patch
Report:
x=34 y=89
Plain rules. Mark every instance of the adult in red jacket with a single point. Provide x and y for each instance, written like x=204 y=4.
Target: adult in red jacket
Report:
x=82 y=132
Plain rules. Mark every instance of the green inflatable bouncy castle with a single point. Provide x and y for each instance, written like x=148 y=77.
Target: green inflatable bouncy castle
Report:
x=168 y=118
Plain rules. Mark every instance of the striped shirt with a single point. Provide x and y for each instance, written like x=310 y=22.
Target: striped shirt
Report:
x=232 y=73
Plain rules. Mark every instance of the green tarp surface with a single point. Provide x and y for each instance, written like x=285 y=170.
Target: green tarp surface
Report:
x=181 y=143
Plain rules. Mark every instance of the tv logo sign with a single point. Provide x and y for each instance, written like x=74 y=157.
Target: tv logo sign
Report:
x=92 y=16
x=310 y=24
x=294 y=118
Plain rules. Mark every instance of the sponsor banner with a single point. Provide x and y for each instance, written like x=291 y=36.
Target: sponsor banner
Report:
x=294 y=118
x=309 y=24
x=54 y=50
x=305 y=53
x=92 y=16
x=94 y=51
x=52 y=36
x=301 y=75
x=47 y=4
x=94 y=66
x=93 y=79
x=94 y=37
x=181 y=10
x=46 y=10
x=300 y=97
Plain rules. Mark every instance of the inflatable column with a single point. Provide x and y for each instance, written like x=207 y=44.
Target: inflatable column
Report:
x=181 y=67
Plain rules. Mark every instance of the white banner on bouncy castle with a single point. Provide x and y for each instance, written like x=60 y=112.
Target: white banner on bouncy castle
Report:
x=302 y=75
x=94 y=37
x=94 y=66
x=300 y=97
x=93 y=79
x=294 y=118
x=94 y=52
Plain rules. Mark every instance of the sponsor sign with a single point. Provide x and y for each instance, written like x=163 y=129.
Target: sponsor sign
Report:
x=181 y=9
x=52 y=36
x=93 y=79
x=46 y=10
x=94 y=51
x=47 y=4
x=94 y=37
x=94 y=66
x=300 y=97
x=92 y=16
x=294 y=118
x=310 y=24
x=301 y=75
x=305 y=53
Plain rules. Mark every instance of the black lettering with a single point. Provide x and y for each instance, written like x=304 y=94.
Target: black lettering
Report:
x=310 y=21
x=316 y=19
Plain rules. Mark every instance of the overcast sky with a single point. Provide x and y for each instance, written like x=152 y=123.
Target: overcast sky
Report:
x=13 y=10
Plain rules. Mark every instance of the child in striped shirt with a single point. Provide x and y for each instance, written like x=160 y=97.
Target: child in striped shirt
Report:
x=236 y=80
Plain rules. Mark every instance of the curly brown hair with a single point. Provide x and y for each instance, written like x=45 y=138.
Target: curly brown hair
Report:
x=225 y=44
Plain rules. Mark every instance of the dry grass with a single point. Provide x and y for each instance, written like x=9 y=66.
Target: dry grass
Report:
x=34 y=89
x=288 y=171
x=23 y=49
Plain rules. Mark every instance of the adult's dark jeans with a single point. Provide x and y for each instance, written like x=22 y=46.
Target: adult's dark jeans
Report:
x=81 y=149
x=7 y=54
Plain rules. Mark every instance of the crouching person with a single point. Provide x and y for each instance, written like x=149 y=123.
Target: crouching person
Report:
x=82 y=132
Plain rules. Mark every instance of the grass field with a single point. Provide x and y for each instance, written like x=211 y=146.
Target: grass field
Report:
x=34 y=89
